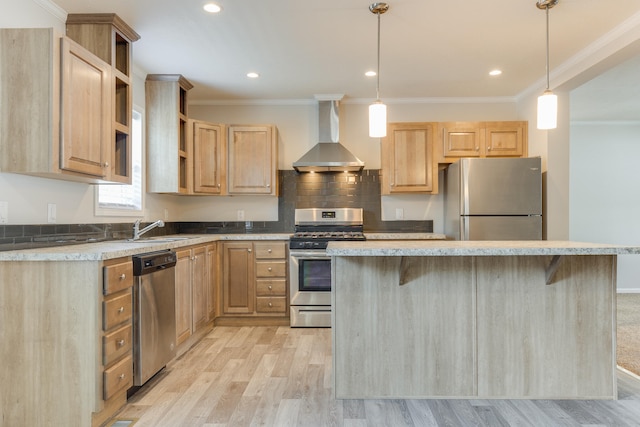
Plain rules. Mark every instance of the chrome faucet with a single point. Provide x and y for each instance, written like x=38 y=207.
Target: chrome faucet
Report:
x=136 y=228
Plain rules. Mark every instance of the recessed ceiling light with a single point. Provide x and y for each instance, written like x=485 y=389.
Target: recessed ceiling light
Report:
x=253 y=75
x=212 y=8
x=370 y=73
x=495 y=72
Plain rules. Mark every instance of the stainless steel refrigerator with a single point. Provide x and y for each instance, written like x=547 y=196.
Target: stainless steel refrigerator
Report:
x=494 y=199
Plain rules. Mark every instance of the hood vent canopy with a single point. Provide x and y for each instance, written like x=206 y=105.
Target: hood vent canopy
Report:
x=328 y=155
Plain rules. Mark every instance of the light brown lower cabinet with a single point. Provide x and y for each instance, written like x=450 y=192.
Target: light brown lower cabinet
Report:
x=192 y=292
x=66 y=341
x=254 y=279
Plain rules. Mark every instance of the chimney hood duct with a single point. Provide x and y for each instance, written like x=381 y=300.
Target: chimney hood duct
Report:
x=328 y=155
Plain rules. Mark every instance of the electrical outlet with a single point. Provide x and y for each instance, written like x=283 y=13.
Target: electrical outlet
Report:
x=4 y=212
x=51 y=213
x=399 y=213
x=240 y=214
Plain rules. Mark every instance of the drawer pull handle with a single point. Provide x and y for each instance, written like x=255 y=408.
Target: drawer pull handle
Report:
x=120 y=343
x=122 y=376
x=121 y=310
x=123 y=276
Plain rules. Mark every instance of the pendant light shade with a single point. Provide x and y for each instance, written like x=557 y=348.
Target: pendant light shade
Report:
x=547 y=102
x=377 y=110
x=547 y=110
x=377 y=120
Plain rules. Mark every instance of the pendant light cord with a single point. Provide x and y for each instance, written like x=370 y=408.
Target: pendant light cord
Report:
x=378 y=72
x=547 y=13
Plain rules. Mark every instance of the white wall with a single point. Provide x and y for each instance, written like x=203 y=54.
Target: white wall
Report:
x=605 y=190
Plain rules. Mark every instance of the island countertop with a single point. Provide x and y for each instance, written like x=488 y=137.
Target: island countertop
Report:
x=474 y=248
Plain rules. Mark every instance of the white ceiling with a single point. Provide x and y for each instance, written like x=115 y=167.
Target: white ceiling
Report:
x=430 y=49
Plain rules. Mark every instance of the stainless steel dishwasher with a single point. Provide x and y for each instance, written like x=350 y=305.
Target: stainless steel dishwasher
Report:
x=154 y=313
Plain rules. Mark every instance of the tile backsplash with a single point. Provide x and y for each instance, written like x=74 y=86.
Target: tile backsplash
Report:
x=297 y=190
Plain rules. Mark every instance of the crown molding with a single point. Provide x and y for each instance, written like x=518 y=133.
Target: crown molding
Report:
x=55 y=10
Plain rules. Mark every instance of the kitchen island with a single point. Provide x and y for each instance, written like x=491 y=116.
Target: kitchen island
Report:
x=451 y=319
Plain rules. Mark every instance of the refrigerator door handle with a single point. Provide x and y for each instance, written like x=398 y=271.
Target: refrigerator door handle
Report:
x=464 y=228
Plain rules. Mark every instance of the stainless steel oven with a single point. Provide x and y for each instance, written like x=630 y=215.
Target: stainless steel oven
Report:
x=309 y=265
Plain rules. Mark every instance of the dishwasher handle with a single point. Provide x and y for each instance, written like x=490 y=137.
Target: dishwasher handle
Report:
x=151 y=262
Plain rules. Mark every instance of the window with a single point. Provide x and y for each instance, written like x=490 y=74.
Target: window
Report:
x=125 y=200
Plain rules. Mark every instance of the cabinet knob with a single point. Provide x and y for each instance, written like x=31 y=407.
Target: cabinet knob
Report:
x=120 y=343
x=270 y=305
x=269 y=250
x=268 y=185
x=105 y=165
x=269 y=268
x=477 y=148
x=488 y=148
x=248 y=250
x=121 y=310
x=391 y=184
x=122 y=376
x=270 y=287
x=123 y=276
x=218 y=185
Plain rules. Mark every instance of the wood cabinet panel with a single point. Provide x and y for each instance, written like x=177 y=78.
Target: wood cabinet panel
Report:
x=550 y=335
x=252 y=160
x=431 y=346
x=238 y=278
x=209 y=162
x=117 y=277
x=407 y=159
x=117 y=309
x=480 y=139
x=118 y=377
x=60 y=98
x=199 y=287
x=117 y=343
x=183 y=295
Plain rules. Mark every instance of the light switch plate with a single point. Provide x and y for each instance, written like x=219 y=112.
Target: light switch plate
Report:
x=240 y=214
x=4 y=212
x=399 y=213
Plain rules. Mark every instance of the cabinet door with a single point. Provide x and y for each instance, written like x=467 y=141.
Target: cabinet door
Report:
x=252 y=160
x=238 y=278
x=199 y=286
x=86 y=111
x=208 y=158
x=183 y=296
x=504 y=139
x=461 y=139
x=407 y=158
x=212 y=281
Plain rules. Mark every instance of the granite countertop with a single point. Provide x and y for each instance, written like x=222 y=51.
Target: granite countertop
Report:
x=474 y=248
x=121 y=248
x=404 y=236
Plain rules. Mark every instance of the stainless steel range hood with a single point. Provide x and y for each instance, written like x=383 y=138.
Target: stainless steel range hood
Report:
x=328 y=155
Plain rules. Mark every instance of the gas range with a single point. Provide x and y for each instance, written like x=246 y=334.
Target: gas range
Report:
x=315 y=227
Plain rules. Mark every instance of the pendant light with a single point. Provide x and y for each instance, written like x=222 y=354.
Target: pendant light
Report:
x=547 y=102
x=377 y=110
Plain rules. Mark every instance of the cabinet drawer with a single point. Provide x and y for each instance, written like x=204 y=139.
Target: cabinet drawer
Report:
x=271 y=269
x=117 y=343
x=270 y=250
x=269 y=287
x=117 y=277
x=271 y=304
x=117 y=309
x=118 y=377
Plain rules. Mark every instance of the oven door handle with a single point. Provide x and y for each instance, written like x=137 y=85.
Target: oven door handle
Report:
x=308 y=255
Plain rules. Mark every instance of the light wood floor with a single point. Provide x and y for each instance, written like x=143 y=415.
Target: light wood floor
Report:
x=279 y=376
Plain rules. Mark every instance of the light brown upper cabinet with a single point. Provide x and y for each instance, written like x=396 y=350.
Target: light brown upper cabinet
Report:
x=56 y=107
x=110 y=38
x=209 y=157
x=169 y=161
x=407 y=159
x=253 y=155
x=480 y=139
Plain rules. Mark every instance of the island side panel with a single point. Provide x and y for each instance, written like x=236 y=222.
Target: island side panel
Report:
x=50 y=336
x=546 y=341
x=403 y=327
